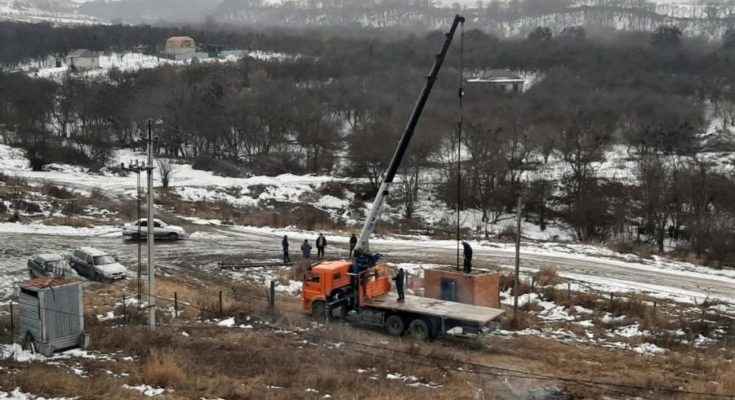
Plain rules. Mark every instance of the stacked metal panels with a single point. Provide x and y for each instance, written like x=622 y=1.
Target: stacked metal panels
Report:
x=52 y=314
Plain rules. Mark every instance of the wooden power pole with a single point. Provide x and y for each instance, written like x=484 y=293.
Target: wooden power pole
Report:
x=151 y=236
x=519 y=208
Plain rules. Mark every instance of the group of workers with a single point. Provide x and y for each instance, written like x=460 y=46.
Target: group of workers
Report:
x=321 y=244
x=399 y=278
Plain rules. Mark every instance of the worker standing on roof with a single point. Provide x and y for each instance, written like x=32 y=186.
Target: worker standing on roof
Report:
x=399 y=284
x=321 y=243
x=284 y=243
x=353 y=243
x=306 y=249
x=467 y=257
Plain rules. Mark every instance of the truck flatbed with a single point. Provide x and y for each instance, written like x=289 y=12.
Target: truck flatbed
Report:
x=436 y=308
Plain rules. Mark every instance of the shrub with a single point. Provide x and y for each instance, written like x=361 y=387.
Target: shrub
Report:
x=507 y=233
x=517 y=322
x=40 y=155
x=627 y=247
x=219 y=167
x=162 y=369
x=56 y=191
x=547 y=276
x=27 y=206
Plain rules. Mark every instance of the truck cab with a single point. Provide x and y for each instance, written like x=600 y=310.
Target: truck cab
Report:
x=324 y=283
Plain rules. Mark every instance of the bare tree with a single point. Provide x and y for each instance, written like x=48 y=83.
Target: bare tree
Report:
x=166 y=171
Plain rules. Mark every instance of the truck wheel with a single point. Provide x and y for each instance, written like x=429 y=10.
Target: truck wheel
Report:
x=173 y=237
x=419 y=329
x=394 y=325
x=318 y=310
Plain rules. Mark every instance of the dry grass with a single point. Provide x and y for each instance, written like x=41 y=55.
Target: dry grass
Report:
x=547 y=276
x=163 y=368
x=50 y=381
x=519 y=321
x=627 y=247
x=70 y=221
x=507 y=281
x=58 y=192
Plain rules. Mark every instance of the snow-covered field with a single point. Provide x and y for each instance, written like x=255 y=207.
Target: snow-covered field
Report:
x=132 y=61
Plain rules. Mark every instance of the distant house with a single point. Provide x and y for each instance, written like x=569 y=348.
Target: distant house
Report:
x=181 y=47
x=82 y=59
x=501 y=79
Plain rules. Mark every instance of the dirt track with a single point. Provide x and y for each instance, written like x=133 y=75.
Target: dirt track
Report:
x=213 y=244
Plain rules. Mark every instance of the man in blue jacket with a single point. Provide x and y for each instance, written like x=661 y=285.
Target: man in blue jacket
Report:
x=467 y=257
x=399 y=278
x=306 y=249
x=284 y=243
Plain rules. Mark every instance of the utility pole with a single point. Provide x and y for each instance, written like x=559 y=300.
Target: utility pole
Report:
x=518 y=257
x=151 y=236
x=140 y=237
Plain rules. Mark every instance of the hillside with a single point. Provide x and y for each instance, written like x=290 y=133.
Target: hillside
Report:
x=506 y=18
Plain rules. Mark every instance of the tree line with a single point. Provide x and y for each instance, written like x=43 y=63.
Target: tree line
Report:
x=339 y=104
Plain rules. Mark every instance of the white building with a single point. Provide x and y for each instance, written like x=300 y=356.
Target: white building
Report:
x=181 y=47
x=82 y=59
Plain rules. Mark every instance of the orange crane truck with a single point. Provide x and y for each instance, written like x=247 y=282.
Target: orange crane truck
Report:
x=358 y=290
x=330 y=289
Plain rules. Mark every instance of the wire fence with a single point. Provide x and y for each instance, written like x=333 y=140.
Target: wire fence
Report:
x=374 y=351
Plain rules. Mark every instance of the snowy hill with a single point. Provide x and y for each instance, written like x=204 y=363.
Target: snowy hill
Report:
x=695 y=18
x=63 y=12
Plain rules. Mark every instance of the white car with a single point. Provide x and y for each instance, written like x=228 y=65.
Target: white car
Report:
x=96 y=265
x=139 y=230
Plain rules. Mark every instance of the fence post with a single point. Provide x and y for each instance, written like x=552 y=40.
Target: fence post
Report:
x=569 y=290
x=220 y=302
x=12 y=320
x=176 y=305
x=125 y=310
x=611 y=299
x=272 y=296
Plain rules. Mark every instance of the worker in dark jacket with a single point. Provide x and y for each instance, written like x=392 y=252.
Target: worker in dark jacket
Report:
x=353 y=243
x=321 y=243
x=399 y=278
x=284 y=243
x=467 y=257
x=306 y=249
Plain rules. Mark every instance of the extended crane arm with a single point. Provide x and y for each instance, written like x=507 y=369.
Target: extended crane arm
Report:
x=363 y=246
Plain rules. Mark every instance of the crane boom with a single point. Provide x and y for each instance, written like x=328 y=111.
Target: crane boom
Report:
x=363 y=247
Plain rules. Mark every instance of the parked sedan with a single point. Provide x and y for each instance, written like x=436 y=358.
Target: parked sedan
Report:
x=161 y=230
x=96 y=264
x=49 y=265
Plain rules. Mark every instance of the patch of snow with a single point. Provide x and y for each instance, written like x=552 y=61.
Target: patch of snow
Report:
x=16 y=353
x=228 y=323
x=55 y=230
x=17 y=394
x=648 y=348
x=145 y=390
x=629 y=331
x=329 y=201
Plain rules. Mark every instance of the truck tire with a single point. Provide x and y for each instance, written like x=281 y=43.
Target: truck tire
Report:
x=419 y=329
x=318 y=310
x=394 y=325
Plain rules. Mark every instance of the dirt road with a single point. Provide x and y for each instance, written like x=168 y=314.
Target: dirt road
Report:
x=211 y=244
